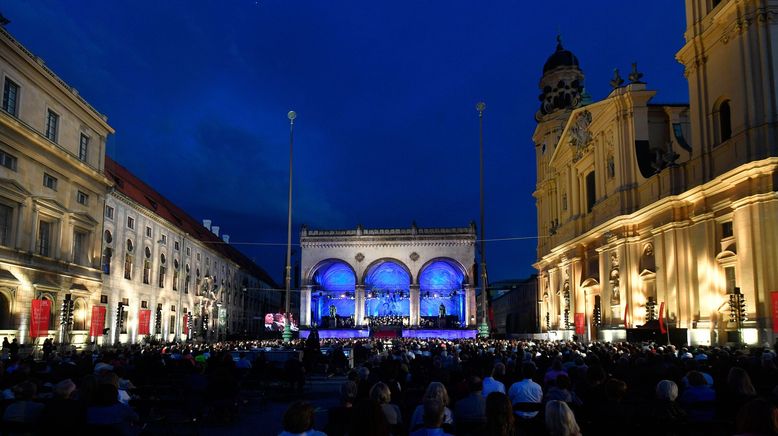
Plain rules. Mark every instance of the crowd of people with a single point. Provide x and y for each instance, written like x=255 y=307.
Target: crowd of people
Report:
x=510 y=387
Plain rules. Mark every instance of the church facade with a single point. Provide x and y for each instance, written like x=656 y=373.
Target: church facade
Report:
x=649 y=211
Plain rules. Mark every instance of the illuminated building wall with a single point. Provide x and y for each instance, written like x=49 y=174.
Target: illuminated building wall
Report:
x=672 y=204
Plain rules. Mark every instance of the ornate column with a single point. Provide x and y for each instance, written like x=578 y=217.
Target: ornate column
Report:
x=471 y=308
x=415 y=305
x=359 y=302
x=305 y=305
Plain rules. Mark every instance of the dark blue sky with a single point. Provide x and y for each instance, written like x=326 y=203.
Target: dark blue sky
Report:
x=387 y=132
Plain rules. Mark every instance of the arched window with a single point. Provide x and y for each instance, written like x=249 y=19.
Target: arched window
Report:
x=79 y=315
x=725 y=121
x=5 y=313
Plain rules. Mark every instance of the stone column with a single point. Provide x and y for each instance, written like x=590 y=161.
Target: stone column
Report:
x=359 y=301
x=19 y=224
x=305 y=305
x=415 y=305
x=34 y=232
x=471 y=308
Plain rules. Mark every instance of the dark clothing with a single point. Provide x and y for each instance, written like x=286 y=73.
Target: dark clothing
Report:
x=472 y=408
x=338 y=421
x=63 y=416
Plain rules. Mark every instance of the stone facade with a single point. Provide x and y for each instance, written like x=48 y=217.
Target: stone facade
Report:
x=158 y=258
x=52 y=192
x=641 y=204
x=412 y=249
x=514 y=306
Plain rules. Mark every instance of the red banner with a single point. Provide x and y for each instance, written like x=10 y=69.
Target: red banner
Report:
x=144 y=321
x=98 y=321
x=580 y=323
x=774 y=307
x=39 y=318
x=662 y=328
x=186 y=324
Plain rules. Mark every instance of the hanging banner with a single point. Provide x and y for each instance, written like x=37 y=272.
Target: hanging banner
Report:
x=186 y=324
x=580 y=323
x=662 y=328
x=98 y=321
x=144 y=321
x=222 y=317
x=774 y=307
x=39 y=318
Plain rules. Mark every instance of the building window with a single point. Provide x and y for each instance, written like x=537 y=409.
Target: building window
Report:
x=176 y=268
x=7 y=160
x=729 y=274
x=162 y=271
x=591 y=195
x=6 y=222
x=44 y=238
x=726 y=230
x=147 y=266
x=725 y=121
x=188 y=251
x=103 y=299
x=107 y=254
x=130 y=222
x=82 y=198
x=176 y=246
x=148 y=231
x=564 y=201
x=79 y=247
x=52 y=124
x=163 y=239
x=11 y=97
x=108 y=212
x=198 y=256
x=83 y=147
x=125 y=315
x=144 y=304
x=172 y=325
x=128 y=266
x=49 y=181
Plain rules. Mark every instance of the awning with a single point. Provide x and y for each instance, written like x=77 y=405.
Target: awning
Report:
x=6 y=276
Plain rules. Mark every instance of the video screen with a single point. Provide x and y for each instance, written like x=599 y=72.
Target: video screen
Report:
x=274 y=322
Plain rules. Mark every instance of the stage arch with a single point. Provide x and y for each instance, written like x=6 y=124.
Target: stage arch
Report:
x=333 y=303
x=442 y=292
x=387 y=289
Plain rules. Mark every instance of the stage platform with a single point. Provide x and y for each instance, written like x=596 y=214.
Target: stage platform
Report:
x=405 y=333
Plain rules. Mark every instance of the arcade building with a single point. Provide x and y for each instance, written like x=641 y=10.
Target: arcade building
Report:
x=388 y=282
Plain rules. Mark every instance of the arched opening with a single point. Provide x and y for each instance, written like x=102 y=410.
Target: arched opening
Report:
x=333 y=301
x=6 y=319
x=442 y=295
x=79 y=315
x=387 y=293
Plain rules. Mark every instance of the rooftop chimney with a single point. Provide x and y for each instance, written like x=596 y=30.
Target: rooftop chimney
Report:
x=226 y=238
x=207 y=224
x=215 y=230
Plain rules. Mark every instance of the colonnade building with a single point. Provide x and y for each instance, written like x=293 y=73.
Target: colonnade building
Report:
x=402 y=274
x=644 y=206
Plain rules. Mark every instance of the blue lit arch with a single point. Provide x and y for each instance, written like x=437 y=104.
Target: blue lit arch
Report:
x=387 y=274
x=441 y=283
x=333 y=275
x=333 y=282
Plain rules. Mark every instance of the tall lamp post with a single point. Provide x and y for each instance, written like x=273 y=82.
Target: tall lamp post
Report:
x=483 y=327
x=287 y=335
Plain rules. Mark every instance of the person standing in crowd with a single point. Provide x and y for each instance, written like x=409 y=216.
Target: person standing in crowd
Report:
x=526 y=390
x=493 y=382
x=298 y=420
x=560 y=420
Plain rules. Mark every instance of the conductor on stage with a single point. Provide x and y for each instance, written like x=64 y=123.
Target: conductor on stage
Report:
x=333 y=314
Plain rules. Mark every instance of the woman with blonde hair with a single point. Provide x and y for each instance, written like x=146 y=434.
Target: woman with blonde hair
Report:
x=381 y=394
x=560 y=420
x=435 y=391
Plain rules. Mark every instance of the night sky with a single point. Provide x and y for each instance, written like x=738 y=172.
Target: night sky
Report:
x=385 y=92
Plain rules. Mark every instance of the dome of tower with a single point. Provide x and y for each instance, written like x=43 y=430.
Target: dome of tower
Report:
x=560 y=58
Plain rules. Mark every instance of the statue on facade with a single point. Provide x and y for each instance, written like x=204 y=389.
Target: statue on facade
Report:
x=614 y=280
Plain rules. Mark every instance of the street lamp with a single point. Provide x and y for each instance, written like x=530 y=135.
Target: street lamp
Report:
x=483 y=328
x=287 y=335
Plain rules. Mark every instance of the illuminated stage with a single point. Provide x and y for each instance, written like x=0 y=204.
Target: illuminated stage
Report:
x=405 y=333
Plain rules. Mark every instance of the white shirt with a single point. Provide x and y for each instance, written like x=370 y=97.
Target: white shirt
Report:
x=526 y=391
x=492 y=385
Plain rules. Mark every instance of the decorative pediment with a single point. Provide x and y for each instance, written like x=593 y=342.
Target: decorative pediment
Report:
x=11 y=189
x=590 y=282
x=50 y=205
x=84 y=219
x=580 y=135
